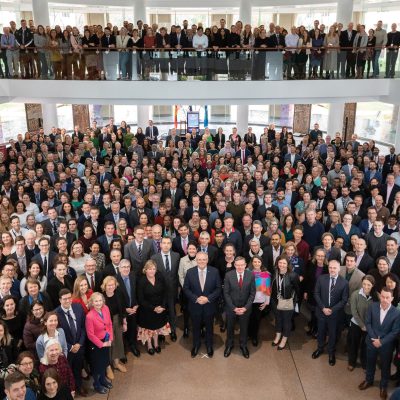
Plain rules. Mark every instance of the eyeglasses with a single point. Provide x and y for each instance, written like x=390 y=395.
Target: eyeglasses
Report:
x=26 y=364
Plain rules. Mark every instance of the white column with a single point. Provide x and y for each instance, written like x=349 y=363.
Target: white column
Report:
x=397 y=137
x=344 y=12
x=335 y=118
x=143 y=115
x=50 y=119
x=242 y=119
x=245 y=11
x=139 y=11
x=41 y=15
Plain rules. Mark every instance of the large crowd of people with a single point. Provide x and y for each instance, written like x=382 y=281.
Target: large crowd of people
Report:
x=242 y=51
x=105 y=232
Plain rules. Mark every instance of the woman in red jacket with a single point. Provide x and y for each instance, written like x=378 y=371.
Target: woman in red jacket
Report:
x=99 y=331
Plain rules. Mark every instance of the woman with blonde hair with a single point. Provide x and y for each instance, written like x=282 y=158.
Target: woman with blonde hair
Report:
x=118 y=316
x=152 y=314
x=99 y=330
x=78 y=258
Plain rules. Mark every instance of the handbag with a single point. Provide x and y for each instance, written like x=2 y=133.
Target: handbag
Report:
x=284 y=304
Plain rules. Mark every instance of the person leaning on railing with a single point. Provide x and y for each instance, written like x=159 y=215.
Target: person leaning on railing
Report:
x=360 y=48
x=89 y=44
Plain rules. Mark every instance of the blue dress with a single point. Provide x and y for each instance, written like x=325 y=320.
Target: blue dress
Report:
x=338 y=230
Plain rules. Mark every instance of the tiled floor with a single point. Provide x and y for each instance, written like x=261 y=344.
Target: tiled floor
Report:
x=268 y=374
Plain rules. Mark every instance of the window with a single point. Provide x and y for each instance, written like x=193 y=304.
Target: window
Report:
x=319 y=115
x=12 y=121
x=64 y=116
x=125 y=113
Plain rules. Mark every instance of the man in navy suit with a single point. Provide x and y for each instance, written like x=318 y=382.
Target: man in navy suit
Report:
x=71 y=318
x=383 y=327
x=202 y=288
x=331 y=294
x=115 y=215
x=243 y=152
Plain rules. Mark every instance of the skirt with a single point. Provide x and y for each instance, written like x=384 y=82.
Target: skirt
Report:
x=117 y=346
x=145 y=334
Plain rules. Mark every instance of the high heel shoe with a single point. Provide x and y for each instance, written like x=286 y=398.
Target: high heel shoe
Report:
x=282 y=347
x=157 y=349
x=273 y=344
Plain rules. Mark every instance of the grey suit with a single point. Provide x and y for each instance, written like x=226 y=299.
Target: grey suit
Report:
x=131 y=253
x=172 y=280
x=238 y=297
x=355 y=283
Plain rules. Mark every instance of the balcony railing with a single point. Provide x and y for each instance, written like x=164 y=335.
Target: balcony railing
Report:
x=209 y=64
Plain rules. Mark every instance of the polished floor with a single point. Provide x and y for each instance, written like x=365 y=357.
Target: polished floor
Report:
x=290 y=374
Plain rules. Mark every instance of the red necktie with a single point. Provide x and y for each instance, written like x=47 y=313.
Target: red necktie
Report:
x=92 y=282
x=240 y=281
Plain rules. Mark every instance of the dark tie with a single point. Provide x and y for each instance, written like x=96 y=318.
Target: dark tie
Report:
x=128 y=288
x=332 y=284
x=71 y=325
x=158 y=246
x=45 y=265
x=240 y=281
x=92 y=282
x=37 y=199
x=54 y=227
x=140 y=251
x=167 y=267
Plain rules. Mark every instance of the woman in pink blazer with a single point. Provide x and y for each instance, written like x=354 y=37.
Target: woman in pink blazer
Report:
x=100 y=334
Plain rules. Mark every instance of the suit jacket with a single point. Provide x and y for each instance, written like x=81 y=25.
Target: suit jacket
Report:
x=288 y=157
x=366 y=263
x=131 y=301
x=134 y=217
x=236 y=296
x=105 y=248
x=70 y=239
x=344 y=40
x=274 y=40
x=177 y=245
x=247 y=153
x=131 y=253
x=105 y=42
x=334 y=254
x=212 y=252
x=388 y=331
x=110 y=217
x=42 y=197
x=268 y=258
x=189 y=212
x=339 y=294
x=354 y=284
x=98 y=280
x=79 y=323
x=212 y=290
x=170 y=277
x=107 y=176
x=178 y=196
x=48 y=227
x=182 y=41
x=148 y=132
x=219 y=141
x=50 y=261
x=383 y=192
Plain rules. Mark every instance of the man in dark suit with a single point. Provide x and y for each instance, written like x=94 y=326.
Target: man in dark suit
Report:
x=292 y=156
x=138 y=251
x=107 y=238
x=46 y=257
x=257 y=234
x=127 y=287
x=390 y=158
x=239 y=294
x=202 y=287
x=346 y=39
x=272 y=252
x=243 y=152
x=140 y=209
x=332 y=252
x=151 y=132
x=173 y=192
x=383 y=328
x=71 y=318
x=364 y=261
x=109 y=41
x=389 y=188
x=51 y=224
x=62 y=232
x=331 y=295
x=21 y=256
x=180 y=243
x=38 y=194
x=168 y=264
x=194 y=207
x=103 y=175
x=115 y=215
x=206 y=247
x=93 y=277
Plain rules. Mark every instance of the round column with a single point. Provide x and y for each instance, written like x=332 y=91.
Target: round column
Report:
x=41 y=15
x=344 y=12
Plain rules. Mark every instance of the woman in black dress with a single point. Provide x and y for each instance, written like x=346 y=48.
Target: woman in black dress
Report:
x=152 y=314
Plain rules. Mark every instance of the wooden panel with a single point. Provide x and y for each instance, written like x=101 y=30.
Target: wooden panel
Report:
x=349 y=120
x=302 y=118
x=34 y=116
x=80 y=116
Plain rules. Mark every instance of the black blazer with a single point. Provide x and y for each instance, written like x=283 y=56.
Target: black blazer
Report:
x=212 y=290
x=105 y=42
x=339 y=295
x=212 y=255
x=50 y=261
x=175 y=42
x=344 y=39
x=268 y=258
x=98 y=280
x=236 y=296
x=383 y=192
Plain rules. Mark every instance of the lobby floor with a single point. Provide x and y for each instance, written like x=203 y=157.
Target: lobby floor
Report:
x=290 y=374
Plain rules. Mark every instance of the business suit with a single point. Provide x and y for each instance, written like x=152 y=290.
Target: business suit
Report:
x=387 y=332
x=171 y=278
x=346 y=39
x=70 y=239
x=383 y=191
x=336 y=301
x=104 y=177
x=110 y=217
x=296 y=159
x=176 y=199
x=49 y=227
x=177 y=245
x=243 y=158
x=50 y=260
x=98 y=279
x=38 y=197
x=238 y=297
x=105 y=247
x=75 y=360
x=190 y=210
x=151 y=133
x=131 y=253
x=135 y=215
x=366 y=263
x=268 y=258
x=212 y=252
x=219 y=141
x=129 y=300
x=202 y=313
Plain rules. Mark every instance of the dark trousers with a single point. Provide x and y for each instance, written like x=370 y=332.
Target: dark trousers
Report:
x=75 y=361
x=198 y=321
x=99 y=361
x=350 y=64
x=171 y=312
x=283 y=321
x=255 y=319
x=356 y=344
x=243 y=320
x=131 y=332
x=385 y=354
x=328 y=325
x=391 y=59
